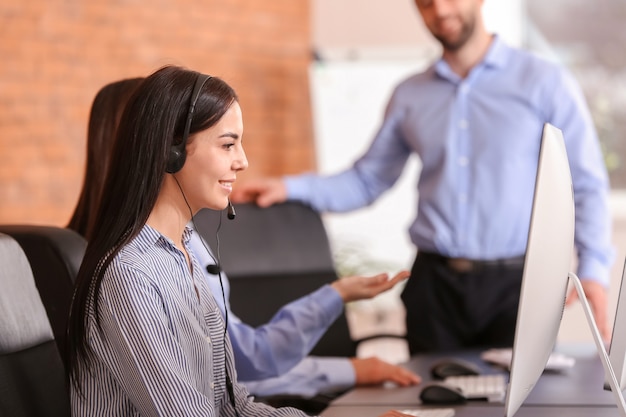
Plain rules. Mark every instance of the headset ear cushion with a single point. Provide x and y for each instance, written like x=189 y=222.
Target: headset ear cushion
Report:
x=175 y=160
x=178 y=153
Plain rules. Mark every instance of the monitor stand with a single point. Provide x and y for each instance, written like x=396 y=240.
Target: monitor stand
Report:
x=604 y=357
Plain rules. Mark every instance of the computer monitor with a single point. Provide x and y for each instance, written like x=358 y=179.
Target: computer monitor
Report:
x=617 y=349
x=546 y=267
x=546 y=275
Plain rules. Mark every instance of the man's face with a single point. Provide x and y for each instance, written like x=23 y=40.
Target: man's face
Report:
x=451 y=22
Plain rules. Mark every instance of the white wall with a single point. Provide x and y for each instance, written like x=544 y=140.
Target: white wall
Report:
x=348 y=103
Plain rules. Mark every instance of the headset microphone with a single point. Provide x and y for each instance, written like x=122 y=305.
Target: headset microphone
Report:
x=213 y=269
x=231 y=211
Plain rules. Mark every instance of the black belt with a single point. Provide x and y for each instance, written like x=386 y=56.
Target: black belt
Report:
x=465 y=265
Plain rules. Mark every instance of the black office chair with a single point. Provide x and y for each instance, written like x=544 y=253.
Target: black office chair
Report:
x=55 y=255
x=32 y=378
x=273 y=256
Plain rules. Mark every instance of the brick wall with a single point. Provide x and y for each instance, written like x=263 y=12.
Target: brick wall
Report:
x=56 y=54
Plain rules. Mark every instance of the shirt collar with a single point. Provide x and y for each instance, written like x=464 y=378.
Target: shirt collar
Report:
x=498 y=53
x=150 y=235
x=496 y=57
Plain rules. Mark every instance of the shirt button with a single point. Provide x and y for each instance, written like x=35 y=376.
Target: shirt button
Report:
x=212 y=385
x=208 y=339
x=463 y=161
x=464 y=88
x=462 y=198
x=463 y=124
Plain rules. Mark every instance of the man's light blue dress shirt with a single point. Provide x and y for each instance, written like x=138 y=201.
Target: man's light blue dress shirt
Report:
x=478 y=139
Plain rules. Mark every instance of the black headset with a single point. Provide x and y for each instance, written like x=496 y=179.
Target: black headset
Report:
x=178 y=153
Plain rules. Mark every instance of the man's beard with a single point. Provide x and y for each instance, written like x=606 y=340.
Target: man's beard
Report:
x=467 y=30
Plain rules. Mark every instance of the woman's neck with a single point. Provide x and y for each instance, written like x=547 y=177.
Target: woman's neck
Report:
x=170 y=215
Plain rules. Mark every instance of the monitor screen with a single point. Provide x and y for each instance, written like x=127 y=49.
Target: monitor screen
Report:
x=546 y=268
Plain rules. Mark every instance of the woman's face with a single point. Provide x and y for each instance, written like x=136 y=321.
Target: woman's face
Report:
x=214 y=156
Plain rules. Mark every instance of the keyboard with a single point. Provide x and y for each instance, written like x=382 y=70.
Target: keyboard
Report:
x=489 y=387
x=430 y=412
x=502 y=357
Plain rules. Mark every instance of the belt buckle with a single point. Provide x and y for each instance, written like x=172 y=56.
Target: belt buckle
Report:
x=460 y=265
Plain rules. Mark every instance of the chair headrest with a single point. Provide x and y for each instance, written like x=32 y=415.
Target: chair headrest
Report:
x=281 y=239
x=64 y=245
x=23 y=319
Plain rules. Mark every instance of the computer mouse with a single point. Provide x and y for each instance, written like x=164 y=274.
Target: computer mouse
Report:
x=437 y=392
x=453 y=367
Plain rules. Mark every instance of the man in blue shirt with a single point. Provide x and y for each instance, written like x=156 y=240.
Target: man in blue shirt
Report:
x=475 y=119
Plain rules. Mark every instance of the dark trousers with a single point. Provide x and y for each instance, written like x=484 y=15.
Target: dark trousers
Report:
x=449 y=310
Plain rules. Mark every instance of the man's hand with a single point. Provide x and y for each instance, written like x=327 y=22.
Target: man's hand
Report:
x=596 y=294
x=262 y=191
x=358 y=288
x=373 y=371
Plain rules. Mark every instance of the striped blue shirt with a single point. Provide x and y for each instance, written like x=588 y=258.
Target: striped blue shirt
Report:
x=161 y=350
x=478 y=139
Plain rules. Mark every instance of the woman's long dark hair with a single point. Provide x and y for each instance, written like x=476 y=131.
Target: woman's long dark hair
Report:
x=152 y=122
x=104 y=117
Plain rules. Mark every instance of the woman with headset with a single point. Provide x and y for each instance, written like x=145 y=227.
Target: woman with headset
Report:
x=145 y=334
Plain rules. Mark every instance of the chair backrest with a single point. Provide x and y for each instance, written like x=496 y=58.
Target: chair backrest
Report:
x=32 y=378
x=55 y=255
x=273 y=256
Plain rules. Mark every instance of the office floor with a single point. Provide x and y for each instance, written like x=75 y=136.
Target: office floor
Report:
x=385 y=314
